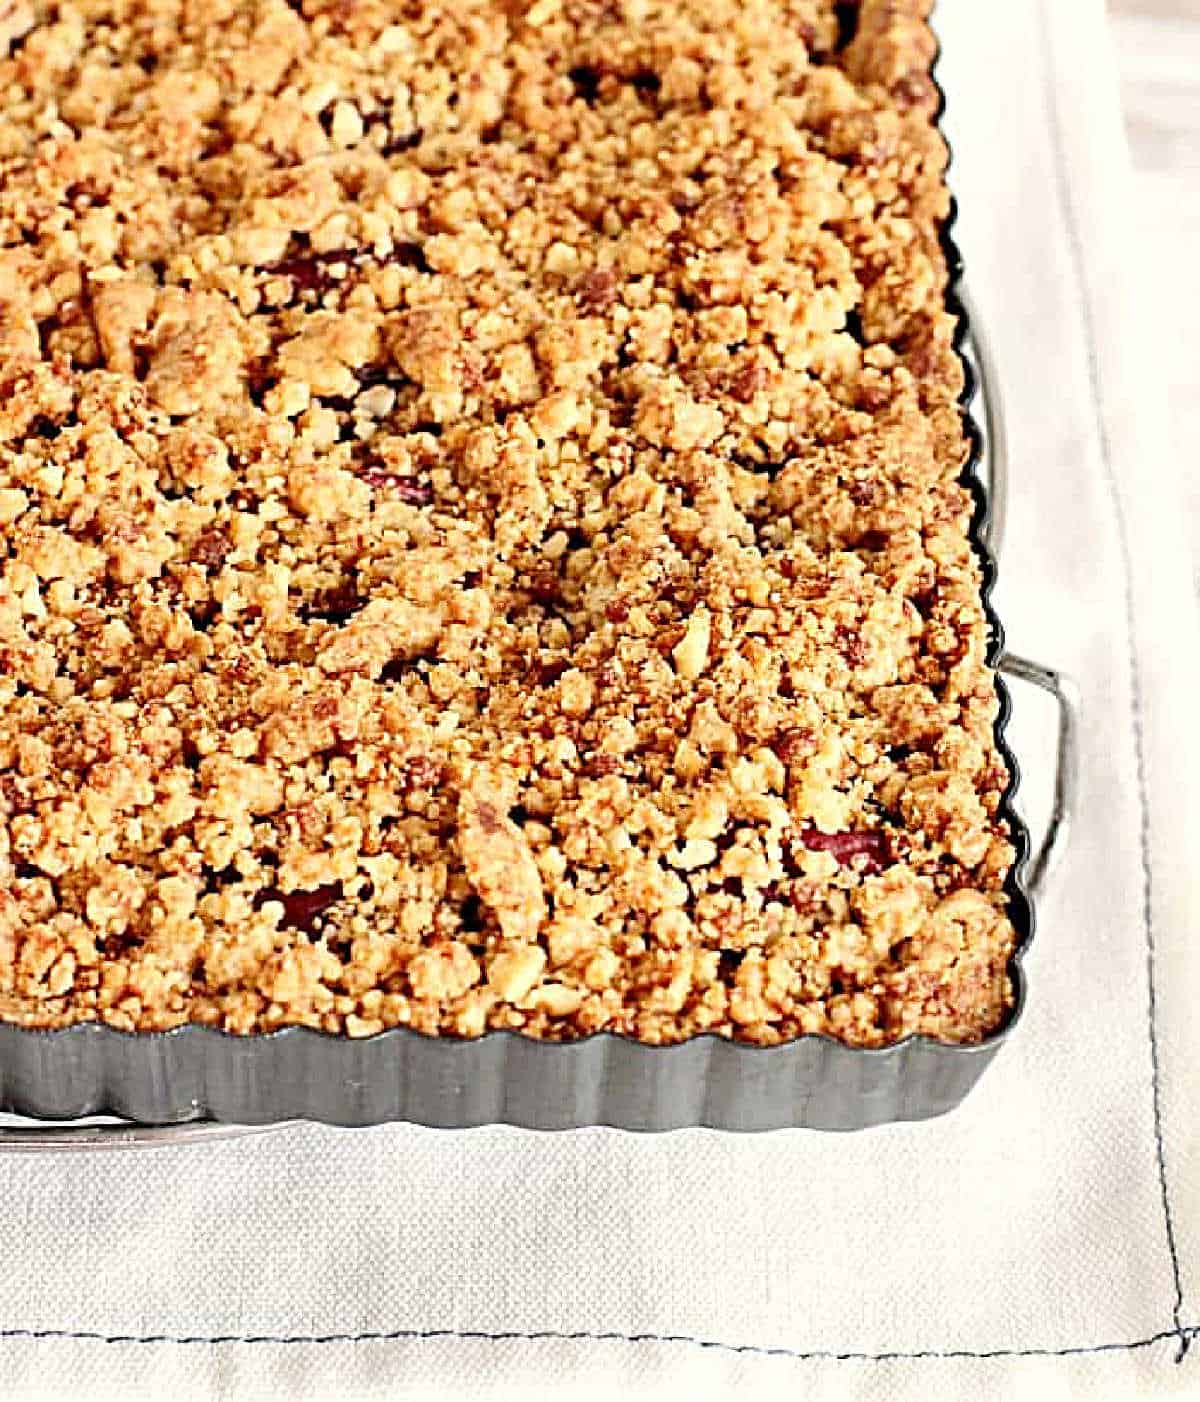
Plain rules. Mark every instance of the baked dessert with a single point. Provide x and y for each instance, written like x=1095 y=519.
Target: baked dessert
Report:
x=483 y=534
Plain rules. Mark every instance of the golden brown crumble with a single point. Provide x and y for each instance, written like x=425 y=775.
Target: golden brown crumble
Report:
x=482 y=534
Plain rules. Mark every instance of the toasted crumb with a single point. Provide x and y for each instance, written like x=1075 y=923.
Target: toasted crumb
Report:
x=691 y=653
x=483 y=538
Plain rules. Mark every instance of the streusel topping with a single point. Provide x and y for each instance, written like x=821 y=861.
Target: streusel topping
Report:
x=482 y=533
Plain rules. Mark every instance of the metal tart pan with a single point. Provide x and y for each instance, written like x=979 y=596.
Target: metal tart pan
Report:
x=197 y=1082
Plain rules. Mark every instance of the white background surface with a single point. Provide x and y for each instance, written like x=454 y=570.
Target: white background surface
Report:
x=1158 y=51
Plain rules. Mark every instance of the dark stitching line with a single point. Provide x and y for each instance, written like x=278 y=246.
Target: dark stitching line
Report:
x=584 y=1335
x=1079 y=267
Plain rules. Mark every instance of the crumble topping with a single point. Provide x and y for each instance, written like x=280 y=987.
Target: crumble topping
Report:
x=481 y=537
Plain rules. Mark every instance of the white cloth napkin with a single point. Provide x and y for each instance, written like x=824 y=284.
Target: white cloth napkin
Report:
x=1046 y=1235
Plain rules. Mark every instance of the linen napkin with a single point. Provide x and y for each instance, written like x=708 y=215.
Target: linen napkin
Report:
x=1046 y=1235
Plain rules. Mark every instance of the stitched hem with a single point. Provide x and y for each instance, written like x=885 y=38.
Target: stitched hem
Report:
x=589 y=1336
x=1083 y=290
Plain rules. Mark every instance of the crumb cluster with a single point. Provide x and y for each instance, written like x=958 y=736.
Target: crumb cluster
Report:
x=482 y=542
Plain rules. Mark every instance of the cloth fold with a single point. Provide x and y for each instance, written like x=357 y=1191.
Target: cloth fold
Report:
x=1047 y=1234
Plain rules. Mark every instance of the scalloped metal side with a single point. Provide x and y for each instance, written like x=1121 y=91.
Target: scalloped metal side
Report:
x=504 y=1078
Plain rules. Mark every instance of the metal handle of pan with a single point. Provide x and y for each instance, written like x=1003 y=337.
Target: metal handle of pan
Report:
x=1044 y=856
x=994 y=476
x=66 y=1138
